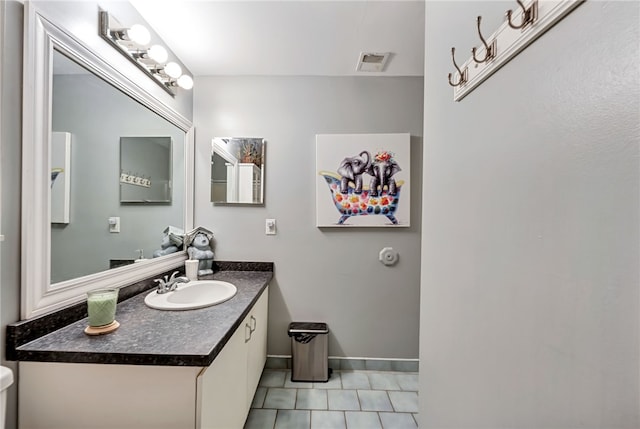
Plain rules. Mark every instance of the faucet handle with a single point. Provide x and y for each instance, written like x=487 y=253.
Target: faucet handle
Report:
x=162 y=285
x=173 y=276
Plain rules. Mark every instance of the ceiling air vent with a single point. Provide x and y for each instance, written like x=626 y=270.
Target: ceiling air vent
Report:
x=372 y=62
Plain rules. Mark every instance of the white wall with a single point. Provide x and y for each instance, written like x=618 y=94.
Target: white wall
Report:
x=330 y=275
x=530 y=288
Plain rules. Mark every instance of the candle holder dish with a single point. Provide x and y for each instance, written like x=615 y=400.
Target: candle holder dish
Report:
x=101 y=330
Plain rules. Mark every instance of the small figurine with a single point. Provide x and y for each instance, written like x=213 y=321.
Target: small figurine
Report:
x=167 y=247
x=171 y=241
x=199 y=242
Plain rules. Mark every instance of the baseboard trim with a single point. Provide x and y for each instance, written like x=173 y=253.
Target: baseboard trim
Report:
x=338 y=363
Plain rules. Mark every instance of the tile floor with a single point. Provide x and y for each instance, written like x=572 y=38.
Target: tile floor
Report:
x=349 y=400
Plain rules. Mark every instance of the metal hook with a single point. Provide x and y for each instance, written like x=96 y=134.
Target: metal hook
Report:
x=489 y=50
x=462 y=73
x=529 y=15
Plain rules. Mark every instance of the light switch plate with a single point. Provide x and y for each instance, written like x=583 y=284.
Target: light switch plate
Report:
x=270 y=227
x=114 y=224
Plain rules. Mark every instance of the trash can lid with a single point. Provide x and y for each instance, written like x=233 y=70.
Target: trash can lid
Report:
x=308 y=327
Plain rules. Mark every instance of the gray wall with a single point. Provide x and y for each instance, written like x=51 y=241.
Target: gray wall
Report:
x=97 y=115
x=330 y=275
x=529 y=289
x=10 y=158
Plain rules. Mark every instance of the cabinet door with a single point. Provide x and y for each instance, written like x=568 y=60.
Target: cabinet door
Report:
x=222 y=387
x=257 y=353
x=103 y=396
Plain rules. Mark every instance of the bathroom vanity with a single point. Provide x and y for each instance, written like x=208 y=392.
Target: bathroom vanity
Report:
x=160 y=369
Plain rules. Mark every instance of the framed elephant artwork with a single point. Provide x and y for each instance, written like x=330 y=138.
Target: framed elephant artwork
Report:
x=363 y=180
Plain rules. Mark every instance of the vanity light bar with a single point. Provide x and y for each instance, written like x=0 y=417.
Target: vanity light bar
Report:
x=133 y=43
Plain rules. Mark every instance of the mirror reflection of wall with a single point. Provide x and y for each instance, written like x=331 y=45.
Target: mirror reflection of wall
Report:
x=96 y=115
x=237 y=170
x=145 y=170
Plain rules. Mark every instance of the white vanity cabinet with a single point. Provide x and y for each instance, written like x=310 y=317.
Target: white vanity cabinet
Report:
x=238 y=367
x=257 y=346
x=105 y=396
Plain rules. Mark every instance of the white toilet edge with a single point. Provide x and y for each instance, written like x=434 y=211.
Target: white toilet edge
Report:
x=6 y=377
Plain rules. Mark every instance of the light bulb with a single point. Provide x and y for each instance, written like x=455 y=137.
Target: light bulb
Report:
x=158 y=54
x=139 y=34
x=185 y=82
x=173 y=70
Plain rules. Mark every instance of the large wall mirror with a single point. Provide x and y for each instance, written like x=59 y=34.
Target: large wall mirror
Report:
x=237 y=170
x=84 y=124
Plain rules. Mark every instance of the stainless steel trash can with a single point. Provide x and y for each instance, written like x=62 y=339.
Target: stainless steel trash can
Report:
x=309 y=351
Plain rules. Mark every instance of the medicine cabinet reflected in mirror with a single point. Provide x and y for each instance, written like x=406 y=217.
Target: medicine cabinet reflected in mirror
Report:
x=70 y=92
x=145 y=170
x=237 y=170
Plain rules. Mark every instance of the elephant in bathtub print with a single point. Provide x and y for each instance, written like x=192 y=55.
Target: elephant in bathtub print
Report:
x=352 y=198
x=382 y=170
x=352 y=168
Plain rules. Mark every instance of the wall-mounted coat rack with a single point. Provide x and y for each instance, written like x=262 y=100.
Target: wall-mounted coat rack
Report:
x=135 y=179
x=522 y=27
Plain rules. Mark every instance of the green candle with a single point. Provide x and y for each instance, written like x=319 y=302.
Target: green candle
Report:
x=101 y=306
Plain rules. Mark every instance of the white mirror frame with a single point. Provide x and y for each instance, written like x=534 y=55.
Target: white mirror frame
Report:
x=38 y=296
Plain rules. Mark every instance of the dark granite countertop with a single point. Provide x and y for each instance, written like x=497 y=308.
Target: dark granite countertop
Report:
x=154 y=337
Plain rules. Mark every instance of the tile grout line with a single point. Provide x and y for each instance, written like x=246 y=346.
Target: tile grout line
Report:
x=295 y=403
x=414 y=418
x=391 y=402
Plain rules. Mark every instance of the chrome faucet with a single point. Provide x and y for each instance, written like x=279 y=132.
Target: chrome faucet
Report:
x=169 y=284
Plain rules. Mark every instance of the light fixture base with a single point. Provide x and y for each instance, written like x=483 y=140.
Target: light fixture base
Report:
x=109 y=24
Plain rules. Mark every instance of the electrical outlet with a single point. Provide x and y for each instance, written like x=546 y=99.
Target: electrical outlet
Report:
x=270 y=227
x=114 y=224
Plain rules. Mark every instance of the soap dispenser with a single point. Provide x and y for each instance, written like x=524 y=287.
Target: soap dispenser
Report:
x=140 y=255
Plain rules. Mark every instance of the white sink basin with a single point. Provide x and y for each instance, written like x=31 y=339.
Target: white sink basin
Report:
x=192 y=295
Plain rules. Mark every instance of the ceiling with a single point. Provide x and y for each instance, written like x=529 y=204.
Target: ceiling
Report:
x=294 y=37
